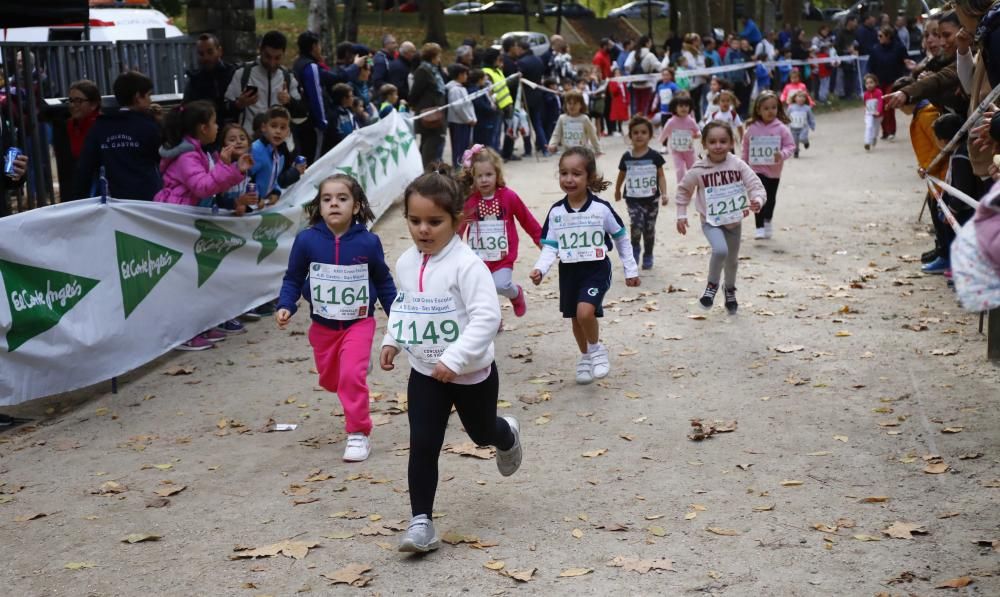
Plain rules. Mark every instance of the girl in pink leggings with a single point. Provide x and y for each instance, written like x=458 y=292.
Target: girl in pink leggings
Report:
x=679 y=133
x=339 y=267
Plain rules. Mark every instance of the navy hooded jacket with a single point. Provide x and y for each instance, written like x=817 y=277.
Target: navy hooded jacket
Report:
x=127 y=144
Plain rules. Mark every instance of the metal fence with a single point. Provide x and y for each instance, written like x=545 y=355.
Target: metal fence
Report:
x=51 y=67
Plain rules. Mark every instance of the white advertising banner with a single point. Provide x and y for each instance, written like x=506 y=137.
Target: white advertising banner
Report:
x=93 y=290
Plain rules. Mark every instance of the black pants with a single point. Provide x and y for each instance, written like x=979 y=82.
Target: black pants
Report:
x=767 y=212
x=430 y=403
x=431 y=146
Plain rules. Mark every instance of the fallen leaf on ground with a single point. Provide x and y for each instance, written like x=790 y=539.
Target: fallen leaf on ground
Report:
x=866 y=538
x=304 y=501
x=180 y=370
x=628 y=352
x=352 y=574
x=819 y=526
x=657 y=531
x=520 y=575
x=791 y=483
x=158 y=502
x=935 y=468
x=110 y=488
x=701 y=430
x=970 y=456
x=955 y=583
x=841 y=438
x=170 y=490
x=78 y=565
x=453 y=538
x=289 y=548
x=952 y=430
x=571 y=572
x=903 y=530
x=944 y=352
x=787 y=348
x=594 y=453
x=494 y=565
x=690 y=516
x=764 y=508
x=140 y=537
x=339 y=535
x=27 y=517
x=722 y=531
x=948 y=514
x=577 y=533
x=317 y=476
x=875 y=499
x=635 y=564
x=470 y=449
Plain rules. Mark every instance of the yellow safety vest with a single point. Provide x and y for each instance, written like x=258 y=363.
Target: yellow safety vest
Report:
x=501 y=93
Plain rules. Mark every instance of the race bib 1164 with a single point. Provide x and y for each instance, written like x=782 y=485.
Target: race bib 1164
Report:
x=339 y=292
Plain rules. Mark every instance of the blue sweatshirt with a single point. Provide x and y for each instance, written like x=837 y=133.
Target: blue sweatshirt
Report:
x=127 y=144
x=269 y=170
x=317 y=244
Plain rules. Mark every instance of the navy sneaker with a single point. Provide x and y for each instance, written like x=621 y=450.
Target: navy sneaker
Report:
x=938 y=266
x=231 y=327
x=647 y=262
x=266 y=310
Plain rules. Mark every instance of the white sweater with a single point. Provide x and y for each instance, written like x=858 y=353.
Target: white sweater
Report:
x=455 y=271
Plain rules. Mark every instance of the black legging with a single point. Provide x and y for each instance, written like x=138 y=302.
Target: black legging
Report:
x=767 y=212
x=430 y=403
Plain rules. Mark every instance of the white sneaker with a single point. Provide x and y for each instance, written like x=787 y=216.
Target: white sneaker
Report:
x=768 y=229
x=599 y=358
x=584 y=370
x=759 y=234
x=508 y=461
x=420 y=536
x=358 y=447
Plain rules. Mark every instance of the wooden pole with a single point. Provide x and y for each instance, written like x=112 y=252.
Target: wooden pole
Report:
x=993 y=335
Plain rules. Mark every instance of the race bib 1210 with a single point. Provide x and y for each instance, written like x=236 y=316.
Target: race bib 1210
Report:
x=580 y=237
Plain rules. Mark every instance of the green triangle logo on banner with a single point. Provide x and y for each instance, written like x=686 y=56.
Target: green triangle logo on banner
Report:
x=271 y=227
x=39 y=298
x=141 y=266
x=212 y=247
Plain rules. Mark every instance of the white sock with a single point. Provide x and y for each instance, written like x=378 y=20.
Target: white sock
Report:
x=592 y=347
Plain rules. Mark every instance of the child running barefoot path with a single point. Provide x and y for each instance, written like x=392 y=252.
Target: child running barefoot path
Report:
x=579 y=230
x=641 y=169
x=445 y=317
x=766 y=146
x=489 y=219
x=339 y=267
x=725 y=189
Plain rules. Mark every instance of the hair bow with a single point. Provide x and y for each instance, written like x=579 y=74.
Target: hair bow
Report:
x=471 y=153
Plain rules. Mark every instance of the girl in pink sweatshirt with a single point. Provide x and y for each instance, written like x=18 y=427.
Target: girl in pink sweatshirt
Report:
x=490 y=212
x=679 y=133
x=767 y=143
x=190 y=174
x=725 y=191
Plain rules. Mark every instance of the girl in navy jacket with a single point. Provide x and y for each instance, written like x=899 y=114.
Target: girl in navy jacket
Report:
x=339 y=267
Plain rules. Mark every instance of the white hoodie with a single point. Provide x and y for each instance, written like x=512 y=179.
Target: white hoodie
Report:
x=456 y=271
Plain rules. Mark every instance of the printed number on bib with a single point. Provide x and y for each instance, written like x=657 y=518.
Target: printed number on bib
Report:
x=488 y=239
x=666 y=96
x=640 y=180
x=339 y=292
x=580 y=236
x=572 y=134
x=680 y=140
x=725 y=204
x=799 y=120
x=871 y=106
x=423 y=324
x=763 y=149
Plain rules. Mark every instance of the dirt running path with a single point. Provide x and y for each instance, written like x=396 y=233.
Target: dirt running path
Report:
x=856 y=413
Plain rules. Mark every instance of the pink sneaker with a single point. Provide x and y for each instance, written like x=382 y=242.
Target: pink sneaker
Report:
x=520 y=307
x=214 y=335
x=196 y=343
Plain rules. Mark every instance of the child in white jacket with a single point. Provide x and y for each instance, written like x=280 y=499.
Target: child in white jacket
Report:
x=445 y=317
x=461 y=113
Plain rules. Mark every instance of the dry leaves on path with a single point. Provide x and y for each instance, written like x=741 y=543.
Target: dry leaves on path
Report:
x=180 y=370
x=27 y=517
x=170 y=490
x=78 y=565
x=140 y=538
x=722 y=531
x=571 y=572
x=470 y=449
x=955 y=583
x=453 y=538
x=288 y=548
x=635 y=564
x=701 y=431
x=875 y=499
x=789 y=348
x=109 y=488
x=352 y=575
x=904 y=530
x=594 y=453
x=520 y=575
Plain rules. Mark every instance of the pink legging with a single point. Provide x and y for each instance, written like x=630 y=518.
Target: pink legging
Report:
x=682 y=161
x=342 y=361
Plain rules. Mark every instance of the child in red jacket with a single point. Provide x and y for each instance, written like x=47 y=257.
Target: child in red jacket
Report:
x=618 y=96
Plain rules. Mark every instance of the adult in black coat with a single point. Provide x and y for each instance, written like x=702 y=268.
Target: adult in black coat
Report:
x=532 y=69
x=427 y=92
x=210 y=80
x=400 y=67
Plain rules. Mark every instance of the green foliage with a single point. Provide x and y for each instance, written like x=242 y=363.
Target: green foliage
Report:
x=170 y=8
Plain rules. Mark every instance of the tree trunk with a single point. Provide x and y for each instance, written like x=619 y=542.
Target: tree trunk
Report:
x=524 y=9
x=352 y=9
x=436 y=31
x=914 y=8
x=701 y=22
x=319 y=23
x=332 y=23
x=891 y=8
x=793 y=12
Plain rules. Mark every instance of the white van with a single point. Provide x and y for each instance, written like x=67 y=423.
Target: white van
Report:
x=110 y=20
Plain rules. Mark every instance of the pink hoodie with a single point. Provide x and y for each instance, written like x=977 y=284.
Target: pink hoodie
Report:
x=510 y=207
x=188 y=178
x=679 y=123
x=776 y=128
x=706 y=173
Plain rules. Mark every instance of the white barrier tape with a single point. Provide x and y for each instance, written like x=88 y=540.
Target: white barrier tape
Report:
x=948 y=217
x=970 y=122
x=714 y=70
x=471 y=97
x=957 y=194
x=534 y=85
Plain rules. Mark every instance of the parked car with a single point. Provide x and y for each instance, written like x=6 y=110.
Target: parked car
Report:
x=830 y=13
x=637 y=9
x=462 y=8
x=276 y=4
x=506 y=7
x=139 y=21
x=569 y=9
x=539 y=42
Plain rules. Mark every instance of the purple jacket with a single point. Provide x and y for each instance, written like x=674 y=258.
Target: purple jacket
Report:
x=987 y=222
x=187 y=176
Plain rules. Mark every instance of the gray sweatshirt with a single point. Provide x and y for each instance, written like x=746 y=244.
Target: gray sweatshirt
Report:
x=461 y=112
x=801 y=117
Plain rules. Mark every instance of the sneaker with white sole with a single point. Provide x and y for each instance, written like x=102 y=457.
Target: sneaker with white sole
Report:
x=231 y=327
x=420 y=536
x=195 y=344
x=508 y=461
x=759 y=234
x=708 y=298
x=599 y=359
x=768 y=229
x=358 y=447
x=584 y=370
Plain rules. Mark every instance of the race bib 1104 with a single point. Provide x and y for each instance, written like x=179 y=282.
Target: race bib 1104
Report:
x=424 y=324
x=339 y=292
x=580 y=237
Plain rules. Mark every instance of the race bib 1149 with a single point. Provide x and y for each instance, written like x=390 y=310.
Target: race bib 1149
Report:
x=424 y=324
